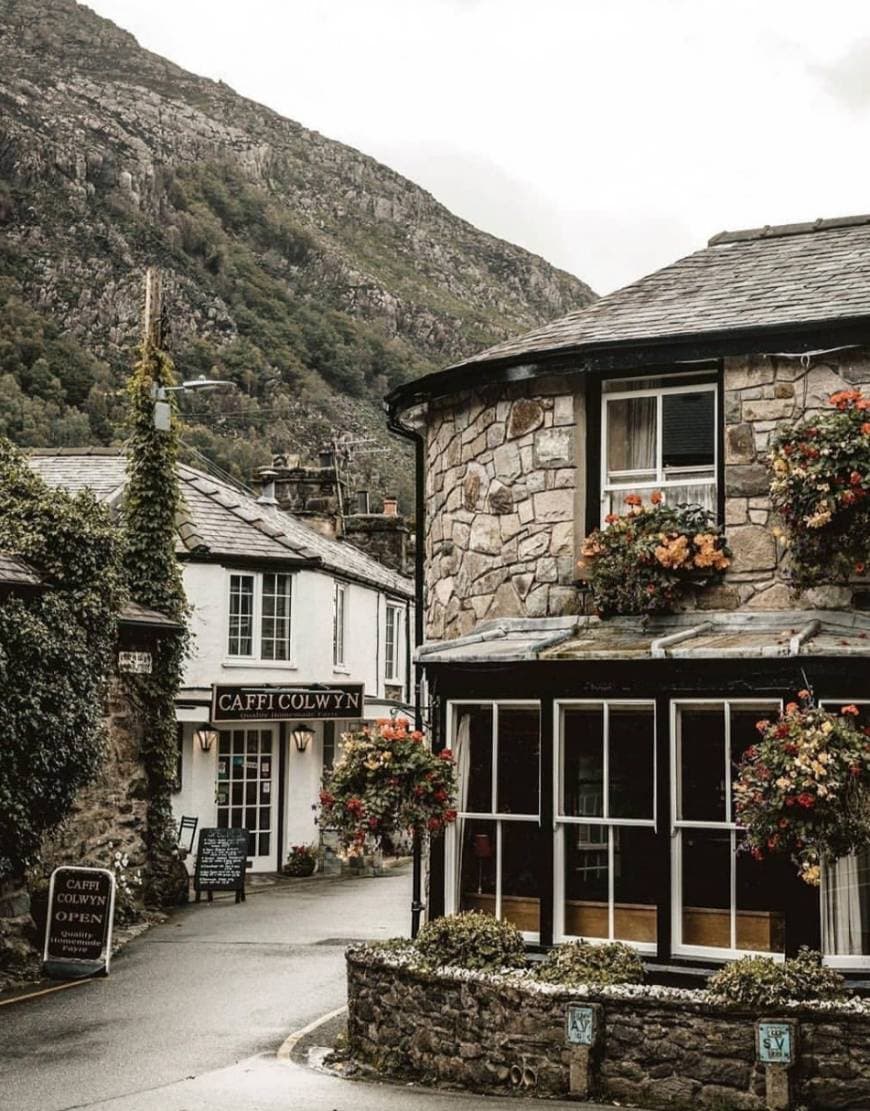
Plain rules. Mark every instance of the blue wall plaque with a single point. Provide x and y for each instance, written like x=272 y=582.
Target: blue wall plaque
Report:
x=775 y=1043
x=580 y=1024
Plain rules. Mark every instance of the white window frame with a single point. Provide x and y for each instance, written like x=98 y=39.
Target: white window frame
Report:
x=610 y=490
x=452 y=848
x=255 y=656
x=708 y=952
x=562 y=821
x=339 y=628
x=392 y=663
x=846 y=961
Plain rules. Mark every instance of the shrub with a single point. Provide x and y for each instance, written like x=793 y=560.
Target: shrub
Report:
x=760 y=982
x=820 y=478
x=471 y=940
x=578 y=962
x=643 y=561
x=803 y=788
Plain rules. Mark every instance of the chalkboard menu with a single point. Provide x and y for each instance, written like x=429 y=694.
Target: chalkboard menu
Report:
x=78 y=932
x=220 y=862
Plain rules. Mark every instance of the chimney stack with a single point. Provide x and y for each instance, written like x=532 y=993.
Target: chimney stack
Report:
x=391 y=507
x=315 y=494
x=384 y=536
x=267 y=478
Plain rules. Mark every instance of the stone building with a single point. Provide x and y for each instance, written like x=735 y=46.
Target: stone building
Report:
x=596 y=756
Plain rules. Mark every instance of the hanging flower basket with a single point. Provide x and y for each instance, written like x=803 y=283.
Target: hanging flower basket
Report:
x=804 y=788
x=387 y=784
x=820 y=480
x=646 y=559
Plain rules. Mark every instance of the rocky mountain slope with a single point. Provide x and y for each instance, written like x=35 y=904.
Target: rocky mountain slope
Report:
x=307 y=273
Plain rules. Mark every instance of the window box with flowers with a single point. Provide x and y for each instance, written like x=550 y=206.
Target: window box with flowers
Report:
x=802 y=789
x=820 y=479
x=387 y=784
x=645 y=560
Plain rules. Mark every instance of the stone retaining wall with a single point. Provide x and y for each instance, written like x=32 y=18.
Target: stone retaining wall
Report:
x=662 y=1053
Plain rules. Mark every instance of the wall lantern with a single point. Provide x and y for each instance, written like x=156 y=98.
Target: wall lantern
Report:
x=302 y=734
x=206 y=736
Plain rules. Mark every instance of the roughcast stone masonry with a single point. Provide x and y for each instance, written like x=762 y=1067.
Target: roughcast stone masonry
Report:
x=505 y=486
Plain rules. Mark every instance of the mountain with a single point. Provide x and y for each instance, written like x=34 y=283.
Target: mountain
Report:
x=305 y=272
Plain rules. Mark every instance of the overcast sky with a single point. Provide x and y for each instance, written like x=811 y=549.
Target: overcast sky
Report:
x=610 y=137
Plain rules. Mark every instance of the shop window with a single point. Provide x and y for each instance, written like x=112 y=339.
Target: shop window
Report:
x=244 y=786
x=260 y=615
x=605 y=822
x=727 y=903
x=496 y=840
x=659 y=434
x=846 y=890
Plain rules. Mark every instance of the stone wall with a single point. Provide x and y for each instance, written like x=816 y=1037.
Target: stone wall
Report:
x=664 y=1052
x=505 y=489
x=501 y=500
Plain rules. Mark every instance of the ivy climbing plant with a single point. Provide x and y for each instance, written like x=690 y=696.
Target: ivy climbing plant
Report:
x=56 y=649
x=151 y=504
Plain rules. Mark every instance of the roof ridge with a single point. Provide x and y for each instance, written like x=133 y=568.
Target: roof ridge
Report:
x=49 y=451
x=779 y=231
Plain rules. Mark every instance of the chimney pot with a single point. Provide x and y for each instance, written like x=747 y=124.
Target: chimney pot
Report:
x=267 y=486
x=391 y=507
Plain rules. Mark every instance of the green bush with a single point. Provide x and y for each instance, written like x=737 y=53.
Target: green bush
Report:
x=578 y=962
x=762 y=982
x=471 y=940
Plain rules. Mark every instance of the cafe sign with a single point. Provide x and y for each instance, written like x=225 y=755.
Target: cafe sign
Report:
x=340 y=701
x=78 y=932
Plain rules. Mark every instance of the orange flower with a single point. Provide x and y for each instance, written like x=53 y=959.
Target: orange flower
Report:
x=805 y=695
x=844 y=398
x=633 y=499
x=865 y=427
x=851 y=709
x=791 y=708
x=657 y=497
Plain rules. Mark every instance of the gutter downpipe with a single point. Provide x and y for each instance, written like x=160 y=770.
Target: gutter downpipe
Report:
x=397 y=428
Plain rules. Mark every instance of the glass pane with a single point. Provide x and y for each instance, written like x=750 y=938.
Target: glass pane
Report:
x=688 y=429
x=253 y=741
x=236 y=819
x=265 y=843
x=251 y=791
x=631 y=439
x=222 y=818
x=676 y=493
x=266 y=741
x=586 y=881
x=237 y=793
x=519 y=752
x=631 y=742
x=702 y=763
x=707 y=887
x=476 y=865
x=636 y=886
x=521 y=850
x=238 y=741
x=250 y=817
x=474 y=728
x=224 y=743
x=762 y=893
x=743 y=732
x=846 y=906
x=583 y=761
x=264 y=817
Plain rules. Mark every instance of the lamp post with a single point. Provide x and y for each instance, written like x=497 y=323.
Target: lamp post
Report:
x=160 y=394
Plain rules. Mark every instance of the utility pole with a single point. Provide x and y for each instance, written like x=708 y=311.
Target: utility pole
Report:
x=152 y=329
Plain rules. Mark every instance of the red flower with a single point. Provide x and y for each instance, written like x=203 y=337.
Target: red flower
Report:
x=806 y=800
x=848 y=497
x=449 y=815
x=855 y=769
x=855 y=478
x=762 y=726
x=445 y=754
x=373 y=823
x=783 y=823
x=805 y=695
x=611 y=517
x=758 y=854
x=850 y=709
x=859 y=568
x=433 y=825
x=326 y=799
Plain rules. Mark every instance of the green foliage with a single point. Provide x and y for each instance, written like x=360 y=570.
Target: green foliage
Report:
x=644 y=560
x=301 y=860
x=761 y=982
x=470 y=940
x=577 y=962
x=151 y=503
x=820 y=481
x=804 y=788
x=387 y=783
x=55 y=654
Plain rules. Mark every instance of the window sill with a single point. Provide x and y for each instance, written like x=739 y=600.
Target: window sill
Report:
x=270 y=665
x=340 y=670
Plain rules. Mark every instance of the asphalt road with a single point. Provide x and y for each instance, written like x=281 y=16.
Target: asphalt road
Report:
x=195 y=1011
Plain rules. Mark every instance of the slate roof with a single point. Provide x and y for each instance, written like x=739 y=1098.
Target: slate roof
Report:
x=15 y=572
x=772 y=277
x=679 y=636
x=220 y=519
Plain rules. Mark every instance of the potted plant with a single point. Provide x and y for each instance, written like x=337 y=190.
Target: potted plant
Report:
x=386 y=784
x=820 y=479
x=301 y=861
x=645 y=559
x=803 y=788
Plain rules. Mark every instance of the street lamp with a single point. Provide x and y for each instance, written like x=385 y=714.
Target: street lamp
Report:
x=206 y=735
x=160 y=394
x=302 y=734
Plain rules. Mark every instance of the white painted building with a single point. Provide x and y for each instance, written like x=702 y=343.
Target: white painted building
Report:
x=274 y=604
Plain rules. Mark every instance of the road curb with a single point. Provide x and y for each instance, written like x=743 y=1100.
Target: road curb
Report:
x=292 y=1040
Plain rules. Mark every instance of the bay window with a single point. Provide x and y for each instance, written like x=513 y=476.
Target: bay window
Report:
x=493 y=865
x=659 y=434
x=606 y=873
x=259 y=615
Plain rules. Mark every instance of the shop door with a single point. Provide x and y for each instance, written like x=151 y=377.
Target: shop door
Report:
x=244 y=791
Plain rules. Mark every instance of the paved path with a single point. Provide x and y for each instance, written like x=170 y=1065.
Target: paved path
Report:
x=195 y=1010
